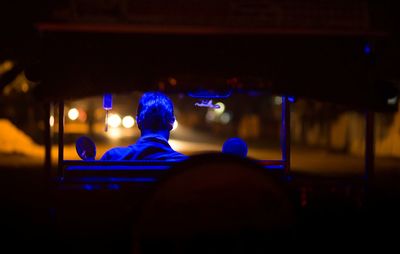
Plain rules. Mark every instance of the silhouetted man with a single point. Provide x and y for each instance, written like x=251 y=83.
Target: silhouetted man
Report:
x=155 y=119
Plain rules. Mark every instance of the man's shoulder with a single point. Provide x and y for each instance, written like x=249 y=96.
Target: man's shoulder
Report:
x=174 y=155
x=116 y=153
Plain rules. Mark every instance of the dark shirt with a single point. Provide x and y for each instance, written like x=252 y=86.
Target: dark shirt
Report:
x=149 y=147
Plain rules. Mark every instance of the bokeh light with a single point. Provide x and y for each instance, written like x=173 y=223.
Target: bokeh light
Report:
x=73 y=114
x=25 y=87
x=114 y=120
x=175 y=125
x=221 y=108
x=128 y=122
x=392 y=101
x=114 y=133
x=51 y=121
x=6 y=66
x=225 y=118
x=277 y=100
x=82 y=115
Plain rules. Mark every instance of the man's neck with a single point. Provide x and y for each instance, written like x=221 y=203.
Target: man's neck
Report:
x=164 y=133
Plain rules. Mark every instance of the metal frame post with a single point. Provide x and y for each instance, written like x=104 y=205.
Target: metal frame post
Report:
x=47 y=140
x=61 y=121
x=285 y=133
x=369 y=145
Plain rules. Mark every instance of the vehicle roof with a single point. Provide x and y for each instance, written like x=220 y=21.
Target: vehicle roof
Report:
x=342 y=51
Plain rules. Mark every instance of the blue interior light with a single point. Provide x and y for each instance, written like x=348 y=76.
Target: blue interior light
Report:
x=367 y=49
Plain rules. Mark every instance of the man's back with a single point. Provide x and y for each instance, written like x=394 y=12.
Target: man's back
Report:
x=150 y=147
x=155 y=119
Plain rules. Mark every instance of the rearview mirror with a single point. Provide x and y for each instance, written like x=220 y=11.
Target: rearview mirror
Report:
x=85 y=148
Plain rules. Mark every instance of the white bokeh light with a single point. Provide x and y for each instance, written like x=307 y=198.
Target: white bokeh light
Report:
x=114 y=133
x=73 y=114
x=225 y=118
x=392 y=101
x=175 y=125
x=114 y=120
x=277 y=100
x=128 y=122
x=211 y=116
x=221 y=108
x=51 y=121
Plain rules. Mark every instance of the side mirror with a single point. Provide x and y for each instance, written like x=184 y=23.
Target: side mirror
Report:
x=85 y=148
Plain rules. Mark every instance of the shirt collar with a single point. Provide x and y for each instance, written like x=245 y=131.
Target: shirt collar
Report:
x=153 y=138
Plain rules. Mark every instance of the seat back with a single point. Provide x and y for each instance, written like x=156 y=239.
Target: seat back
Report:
x=211 y=200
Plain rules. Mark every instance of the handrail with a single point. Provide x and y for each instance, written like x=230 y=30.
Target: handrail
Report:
x=121 y=162
x=144 y=165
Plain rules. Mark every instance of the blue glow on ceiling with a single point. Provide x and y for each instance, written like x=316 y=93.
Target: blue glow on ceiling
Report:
x=367 y=49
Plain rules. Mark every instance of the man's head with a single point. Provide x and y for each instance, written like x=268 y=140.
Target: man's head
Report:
x=155 y=112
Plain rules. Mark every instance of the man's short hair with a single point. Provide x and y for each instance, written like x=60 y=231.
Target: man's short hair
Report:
x=155 y=112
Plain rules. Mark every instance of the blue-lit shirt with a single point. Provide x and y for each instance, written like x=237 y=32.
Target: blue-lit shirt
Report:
x=149 y=147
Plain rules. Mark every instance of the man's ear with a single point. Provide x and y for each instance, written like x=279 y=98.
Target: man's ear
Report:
x=171 y=123
x=139 y=123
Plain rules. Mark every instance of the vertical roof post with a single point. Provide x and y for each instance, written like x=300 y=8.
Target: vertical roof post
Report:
x=369 y=145
x=47 y=140
x=60 y=138
x=285 y=133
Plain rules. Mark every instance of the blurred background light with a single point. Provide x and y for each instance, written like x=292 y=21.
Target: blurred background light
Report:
x=51 y=121
x=172 y=81
x=25 y=87
x=211 y=116
x=367 y=49
x=114 y=133
x=6 y=66
x=392 y=101
x=225 y=118
x=73 y=114
x=175 y=125
x=277 y=100
x=114 y=120
x=221 y=108
x=128 y=122
x=82 y=115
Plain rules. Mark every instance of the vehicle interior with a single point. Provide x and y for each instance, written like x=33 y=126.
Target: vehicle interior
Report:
x=103 y=199
x=231 y=73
